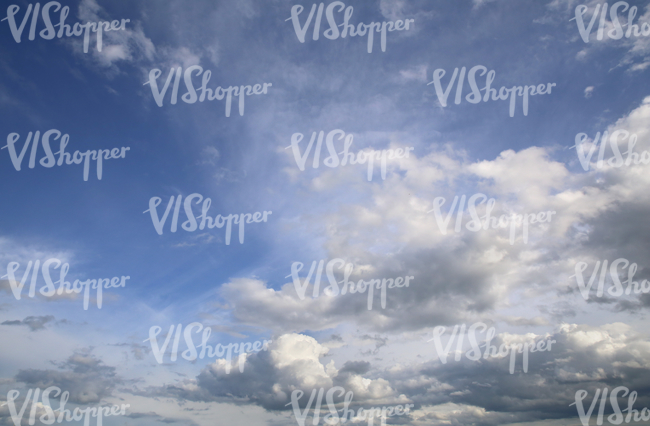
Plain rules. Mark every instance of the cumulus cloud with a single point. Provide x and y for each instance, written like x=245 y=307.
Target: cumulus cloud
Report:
x=465 y=275
x=580 y=357
x=292 y=362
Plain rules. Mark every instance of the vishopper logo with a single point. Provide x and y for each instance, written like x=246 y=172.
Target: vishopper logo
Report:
x=333 y=160
x=49 y=416
x=64 y=286
x=50 y=161
x=48 y=33
x=474 y=354
x=191 y=354
x=616 y=289
x=346 y=285
x=490 y=94
x=333 y=418
x=582 y=140
x=333 y=32
x=616 y=33
x=190 y=97
x=486 y=222
x=617 y=417
x=191 y=225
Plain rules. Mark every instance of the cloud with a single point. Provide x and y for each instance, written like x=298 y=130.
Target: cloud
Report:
x=637 y=49
x=269 y=377
x=83 y=375
x=355 y=367
x=418 y=74
x=580 y=357
x=34 y=323
x=583 y=357
x=151 y=416
x=118 y=47
x=479 y=3
x=384 y=227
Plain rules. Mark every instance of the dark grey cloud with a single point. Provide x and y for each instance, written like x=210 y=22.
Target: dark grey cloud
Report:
x=581 y=357
x=355 y=367
x=86 y=377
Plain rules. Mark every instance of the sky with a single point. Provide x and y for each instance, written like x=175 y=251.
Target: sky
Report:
x=525 y=287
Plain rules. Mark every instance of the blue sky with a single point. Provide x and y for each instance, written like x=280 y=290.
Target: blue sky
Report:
x=101 y=100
